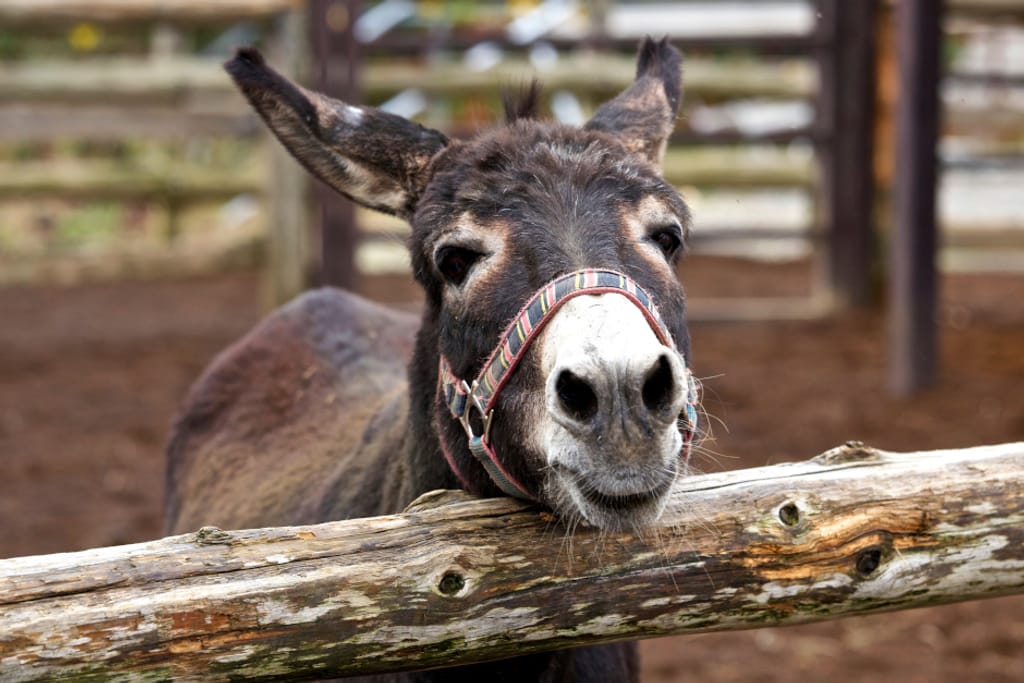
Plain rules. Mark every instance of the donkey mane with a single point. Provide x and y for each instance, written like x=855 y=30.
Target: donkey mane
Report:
x=547 y=254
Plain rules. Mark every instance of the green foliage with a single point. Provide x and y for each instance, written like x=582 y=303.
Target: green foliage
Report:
x=92 y=223
x=9 y=45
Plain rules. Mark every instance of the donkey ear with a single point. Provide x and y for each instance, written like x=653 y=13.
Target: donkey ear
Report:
x=643 y=116
x=376 y=159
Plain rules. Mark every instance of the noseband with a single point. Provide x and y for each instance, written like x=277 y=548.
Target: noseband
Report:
x=473 y=404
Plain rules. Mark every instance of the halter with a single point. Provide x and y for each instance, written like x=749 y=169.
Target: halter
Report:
x=468 y=401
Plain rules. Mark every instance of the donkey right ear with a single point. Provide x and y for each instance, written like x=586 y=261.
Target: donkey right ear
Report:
x=376 y=159
x=643 y=116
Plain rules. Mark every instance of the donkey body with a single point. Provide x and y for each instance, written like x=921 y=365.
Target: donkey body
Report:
x=334 y=407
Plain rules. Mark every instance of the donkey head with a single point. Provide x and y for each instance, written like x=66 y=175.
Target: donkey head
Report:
x=592 y=420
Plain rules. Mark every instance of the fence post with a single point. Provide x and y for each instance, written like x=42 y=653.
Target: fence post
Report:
x=288 y=244
x=335 y=73
x=912 y=277
x=846 y=107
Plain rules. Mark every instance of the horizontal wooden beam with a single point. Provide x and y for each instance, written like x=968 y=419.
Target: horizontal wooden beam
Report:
x=173 y=78
x=35 y=12
x=738 y=167
x=97 y=121
x=852 y=531
x=180 y=260
x=768 y=44
x=596 y=74
x=104 y=181
x=984 y=8
x=112 y=79
x=704 y=166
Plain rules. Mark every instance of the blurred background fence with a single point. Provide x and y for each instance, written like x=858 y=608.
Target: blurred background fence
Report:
x=125 y=152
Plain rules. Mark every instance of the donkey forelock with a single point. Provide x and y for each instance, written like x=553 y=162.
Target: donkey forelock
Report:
x=524 y=104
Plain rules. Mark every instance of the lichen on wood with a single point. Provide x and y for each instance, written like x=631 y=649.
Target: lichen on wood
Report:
x=854 y=530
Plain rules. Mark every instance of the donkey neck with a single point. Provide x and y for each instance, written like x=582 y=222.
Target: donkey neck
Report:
x=425 y=468
x=426 y=465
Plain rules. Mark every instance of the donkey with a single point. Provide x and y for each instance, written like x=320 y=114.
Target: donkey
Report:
x=551 y=361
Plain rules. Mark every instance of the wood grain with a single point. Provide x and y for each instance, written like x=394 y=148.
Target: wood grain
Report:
x=854 y=530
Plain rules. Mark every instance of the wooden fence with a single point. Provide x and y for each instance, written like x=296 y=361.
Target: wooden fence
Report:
x=176 y=95
x=852 y=531
x=168 y=93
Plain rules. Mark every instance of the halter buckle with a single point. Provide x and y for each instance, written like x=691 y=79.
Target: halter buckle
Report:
x=473 y=402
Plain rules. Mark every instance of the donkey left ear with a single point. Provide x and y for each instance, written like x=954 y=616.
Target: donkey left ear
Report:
x=643 y=116
x=372 y=157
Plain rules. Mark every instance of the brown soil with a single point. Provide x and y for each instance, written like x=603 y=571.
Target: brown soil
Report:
x=89 y=380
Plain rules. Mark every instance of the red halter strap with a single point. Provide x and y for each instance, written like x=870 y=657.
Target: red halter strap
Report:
x=464 y=399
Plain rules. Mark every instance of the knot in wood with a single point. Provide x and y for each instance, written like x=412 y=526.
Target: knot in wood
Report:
x=451 y=583
x=211 y=535
x=868 y=561
x=851 y=451
x=789 y=514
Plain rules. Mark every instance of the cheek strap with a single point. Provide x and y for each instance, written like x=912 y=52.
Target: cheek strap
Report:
x=473 y=404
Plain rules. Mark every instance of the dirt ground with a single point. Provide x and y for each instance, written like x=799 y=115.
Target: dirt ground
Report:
x=90 y=377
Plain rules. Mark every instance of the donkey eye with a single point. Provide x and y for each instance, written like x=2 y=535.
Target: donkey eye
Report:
x=667 y=239
x=454 y=263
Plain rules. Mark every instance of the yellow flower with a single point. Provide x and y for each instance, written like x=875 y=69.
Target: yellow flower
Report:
x=84 y=37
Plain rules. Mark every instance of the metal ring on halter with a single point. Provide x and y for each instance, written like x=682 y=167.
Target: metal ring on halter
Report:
x=486 y=416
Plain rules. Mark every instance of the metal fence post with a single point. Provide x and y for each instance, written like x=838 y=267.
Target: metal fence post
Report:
x=912 y=276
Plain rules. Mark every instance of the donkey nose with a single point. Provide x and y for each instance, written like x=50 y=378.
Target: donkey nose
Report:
x=591 y=393
x=660 y=388
x=576 y=397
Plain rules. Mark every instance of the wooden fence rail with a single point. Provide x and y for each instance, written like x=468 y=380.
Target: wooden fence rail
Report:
x=30 y=13
x=718 y=167
x=173 y=79
x=854 y=530
x=101 y=181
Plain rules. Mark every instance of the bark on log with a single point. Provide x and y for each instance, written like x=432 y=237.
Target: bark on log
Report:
x=854 y=530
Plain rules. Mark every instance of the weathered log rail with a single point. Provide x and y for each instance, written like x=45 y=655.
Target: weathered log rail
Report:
x=854 y=530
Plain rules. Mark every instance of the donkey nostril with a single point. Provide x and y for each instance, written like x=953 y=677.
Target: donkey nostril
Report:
x=576 y=396
x=659 y=387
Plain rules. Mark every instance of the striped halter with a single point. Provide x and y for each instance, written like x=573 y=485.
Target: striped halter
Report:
x=473 y=404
